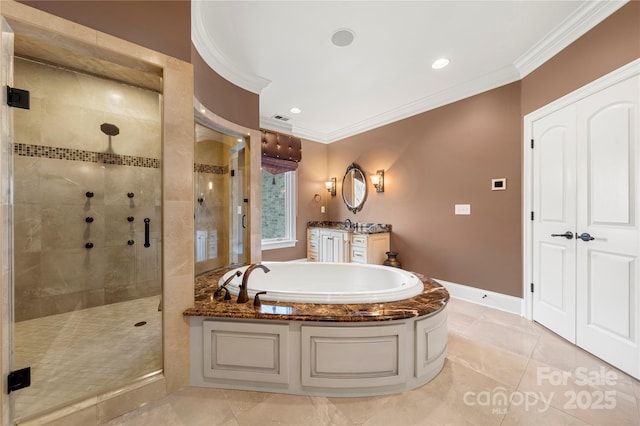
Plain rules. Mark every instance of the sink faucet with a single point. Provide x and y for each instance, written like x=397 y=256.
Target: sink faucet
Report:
x=243 y=296
x=348 y=224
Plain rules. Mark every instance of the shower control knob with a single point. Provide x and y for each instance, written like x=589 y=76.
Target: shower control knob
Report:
x=130 y=194
x=88 y=219
x=88 y=245
x=131 y=242
x=89 y=194
x=130 y=219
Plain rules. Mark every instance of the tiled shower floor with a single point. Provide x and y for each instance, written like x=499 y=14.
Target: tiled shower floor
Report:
x=78 y=354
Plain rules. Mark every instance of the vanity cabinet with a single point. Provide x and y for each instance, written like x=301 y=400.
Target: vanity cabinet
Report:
x=332 y=245
x=327 y=245
x=313 y=244
x=369 y=248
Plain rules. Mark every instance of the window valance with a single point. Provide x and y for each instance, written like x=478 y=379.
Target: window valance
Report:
x=280 y=153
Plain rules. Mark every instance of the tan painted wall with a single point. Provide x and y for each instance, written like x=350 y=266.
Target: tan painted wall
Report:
x=161 y=25
x=608 y=46
x=222 y=97
x=433 y=161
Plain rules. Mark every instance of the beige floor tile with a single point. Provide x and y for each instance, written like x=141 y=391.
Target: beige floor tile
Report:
x=458 y=306
x=241 y=401
x=569 y=392
x=360 y=410
x=281 y=409
x=636 y=387
x=159 y=414
x=503 y=337
x=499 y=364
x=521 y=416
x=459 y=323
x=451 y=398
x=511 y=321
x=329 y=412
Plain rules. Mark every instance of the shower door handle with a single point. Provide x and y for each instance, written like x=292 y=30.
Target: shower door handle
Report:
x=146 y=232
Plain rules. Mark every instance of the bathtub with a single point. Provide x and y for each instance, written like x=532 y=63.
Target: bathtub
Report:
x=348 y=348
x=328 y=283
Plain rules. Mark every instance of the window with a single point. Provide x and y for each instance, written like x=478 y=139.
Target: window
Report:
x=278 y=210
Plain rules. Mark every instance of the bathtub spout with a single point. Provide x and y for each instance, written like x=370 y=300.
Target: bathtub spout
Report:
x=243 y=296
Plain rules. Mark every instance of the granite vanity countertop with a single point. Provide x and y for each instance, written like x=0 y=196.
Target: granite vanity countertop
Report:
x=355 y=227
x=432 y=299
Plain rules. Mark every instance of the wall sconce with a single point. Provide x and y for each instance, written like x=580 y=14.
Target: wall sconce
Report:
x=331 y=186
x=378 y=180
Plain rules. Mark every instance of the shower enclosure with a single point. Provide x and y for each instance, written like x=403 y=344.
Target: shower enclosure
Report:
x=86 y=235
x=220 y=210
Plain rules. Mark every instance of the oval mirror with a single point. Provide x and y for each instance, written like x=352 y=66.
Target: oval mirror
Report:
x=354 y=188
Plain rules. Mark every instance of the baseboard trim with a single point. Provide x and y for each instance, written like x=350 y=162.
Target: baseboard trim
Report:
x=504 y=302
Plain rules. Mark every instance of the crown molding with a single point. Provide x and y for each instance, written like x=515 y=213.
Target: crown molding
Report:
x=209 y=51
x=583 y=19
x=473 y=87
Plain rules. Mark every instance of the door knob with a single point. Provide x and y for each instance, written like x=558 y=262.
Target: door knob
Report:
x=568 y=235
x=585 y=236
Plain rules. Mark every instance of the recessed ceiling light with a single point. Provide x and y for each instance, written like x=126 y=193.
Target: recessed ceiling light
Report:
x=295 y=110
x=440 y=63
x=343 y=37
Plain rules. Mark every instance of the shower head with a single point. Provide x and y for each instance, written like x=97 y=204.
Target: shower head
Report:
x=109 y=129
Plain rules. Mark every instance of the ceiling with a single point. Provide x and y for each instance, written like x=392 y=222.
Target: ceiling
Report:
x=283 y=51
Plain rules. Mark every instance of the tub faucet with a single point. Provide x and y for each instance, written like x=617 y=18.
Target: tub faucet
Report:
x=223 y=287
x=243 y=296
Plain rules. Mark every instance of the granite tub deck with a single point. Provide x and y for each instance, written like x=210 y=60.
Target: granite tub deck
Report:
x=433 y=298
x=337 y=350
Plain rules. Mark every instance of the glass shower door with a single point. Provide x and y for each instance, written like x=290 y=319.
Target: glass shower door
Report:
x=239 y=203
x=86 y=235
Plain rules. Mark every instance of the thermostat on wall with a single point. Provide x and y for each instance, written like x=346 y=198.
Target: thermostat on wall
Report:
x=499 y=184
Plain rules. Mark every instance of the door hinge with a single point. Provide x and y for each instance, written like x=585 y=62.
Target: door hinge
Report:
x=531 y=143
x=233 y=173
x=532 y=215
x=531 y=287
x=19 y=379
x=17 y=98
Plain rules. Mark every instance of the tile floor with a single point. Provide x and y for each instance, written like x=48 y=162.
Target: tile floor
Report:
x=500 y=370
x=79 y=354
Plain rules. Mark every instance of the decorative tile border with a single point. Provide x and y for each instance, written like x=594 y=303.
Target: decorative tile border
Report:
x=207 y=168
x=55 y=153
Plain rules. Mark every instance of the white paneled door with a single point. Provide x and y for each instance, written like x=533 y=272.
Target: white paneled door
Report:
x=586 y=236
x=554 y=201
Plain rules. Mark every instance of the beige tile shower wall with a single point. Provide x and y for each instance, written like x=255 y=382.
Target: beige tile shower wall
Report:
x=67 y=109
x=212 y=215
x=54 y=272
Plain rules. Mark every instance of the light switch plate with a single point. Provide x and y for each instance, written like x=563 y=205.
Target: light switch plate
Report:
x=463 y=209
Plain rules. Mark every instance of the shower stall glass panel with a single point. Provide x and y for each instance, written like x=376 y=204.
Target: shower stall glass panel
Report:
x=220 y=215
x=87 y=235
